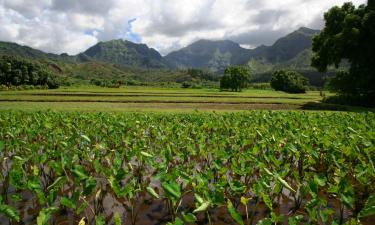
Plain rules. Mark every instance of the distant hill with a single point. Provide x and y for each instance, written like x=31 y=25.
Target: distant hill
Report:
x=120 y=59
x=9 y=48
x=288 y=47
x=127 y=53
x=215 y=55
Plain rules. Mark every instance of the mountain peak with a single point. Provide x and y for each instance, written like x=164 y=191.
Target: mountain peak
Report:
x=307 y=31
x=124 y=52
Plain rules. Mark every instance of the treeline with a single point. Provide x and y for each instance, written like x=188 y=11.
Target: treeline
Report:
x=15 y=71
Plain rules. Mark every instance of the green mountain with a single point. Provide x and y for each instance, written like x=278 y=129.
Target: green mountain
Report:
x=288 y=47
x=216 y=55
x=123 y=52
x=8 y=48
x=118 y=52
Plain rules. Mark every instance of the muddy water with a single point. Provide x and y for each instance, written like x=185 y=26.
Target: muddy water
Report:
x=155 y=212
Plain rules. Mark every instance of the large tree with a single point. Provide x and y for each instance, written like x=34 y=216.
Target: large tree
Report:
x=349 y=36
x=289 y=81
x=236 y=78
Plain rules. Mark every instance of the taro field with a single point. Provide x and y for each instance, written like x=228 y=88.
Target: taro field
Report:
x=259 y=167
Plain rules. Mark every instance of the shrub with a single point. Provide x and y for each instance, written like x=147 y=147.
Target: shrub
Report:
x=289 y=81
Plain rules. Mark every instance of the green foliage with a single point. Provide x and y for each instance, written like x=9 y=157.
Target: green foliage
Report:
x=69 y=162
x=122 y=52
x=16 y=71
x=236 y=78
x=289 y=81
x=348 y=35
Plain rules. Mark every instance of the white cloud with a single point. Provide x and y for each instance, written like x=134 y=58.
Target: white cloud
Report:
x=72 y=26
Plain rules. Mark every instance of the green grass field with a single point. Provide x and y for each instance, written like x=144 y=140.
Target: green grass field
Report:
x=89 y=98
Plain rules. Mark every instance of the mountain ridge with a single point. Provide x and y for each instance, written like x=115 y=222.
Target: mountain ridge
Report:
x=215 y=55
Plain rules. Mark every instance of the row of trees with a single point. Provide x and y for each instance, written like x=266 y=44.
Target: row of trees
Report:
x=15 y=71
x=236 y=78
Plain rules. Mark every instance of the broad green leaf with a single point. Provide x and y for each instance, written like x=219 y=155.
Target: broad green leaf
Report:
x=267 y=201
x=285 y=184
x=79 y=172
x=177 y=221
x=99 y=220
x=68 y=203
x=268 y=172
x=189 y=218
x=86 y=138
x=245 y=200
x=202 y=207
x=57 y=183
x=2 y=145
x=320 y=180
x=45 y=215
x=146 y=154
x=9 y=212
x=172 y=189
x=152 y=192
x=234 y=213
x=198 y=198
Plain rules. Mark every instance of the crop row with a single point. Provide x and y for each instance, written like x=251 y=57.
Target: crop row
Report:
x=246 y=168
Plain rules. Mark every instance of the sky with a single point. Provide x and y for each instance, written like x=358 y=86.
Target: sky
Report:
x=72 y=26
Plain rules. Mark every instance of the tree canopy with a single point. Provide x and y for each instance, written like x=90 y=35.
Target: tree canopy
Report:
x=236 y=78
x=349 y=35
x=289 y=81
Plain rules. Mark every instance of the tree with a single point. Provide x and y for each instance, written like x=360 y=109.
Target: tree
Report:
x=236 y=78
x=349 y=35
x=289 y=81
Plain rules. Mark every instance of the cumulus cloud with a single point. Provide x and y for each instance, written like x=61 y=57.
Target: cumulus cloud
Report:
x=72 y=26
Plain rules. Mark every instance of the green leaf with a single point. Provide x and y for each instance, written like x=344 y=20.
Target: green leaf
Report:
x=86 y=138
x=45 y=215
x=294 y=220
x=245 y=200
x=79 y=172
x=266 y=221
x=202 y=207
x=90 y=185
x=117 y=219
x=267 y=201
x=189 y=218
x=2 y=145
x=99 y=220
x=198 y=198
x=285 y=184
x=177 y=221
x=57 y=183
x=68 y=203
x=347 y=199
x=172 y=189
x=268 y=172
x=146 y=154
x=320 y=180
x=9 y=212
x=234 y=213
x=152 y=192
x=369 y=208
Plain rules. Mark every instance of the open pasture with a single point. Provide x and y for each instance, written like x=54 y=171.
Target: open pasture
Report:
x=152 y=99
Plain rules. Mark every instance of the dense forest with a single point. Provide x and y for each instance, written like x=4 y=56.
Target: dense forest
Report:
x=16 y=71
